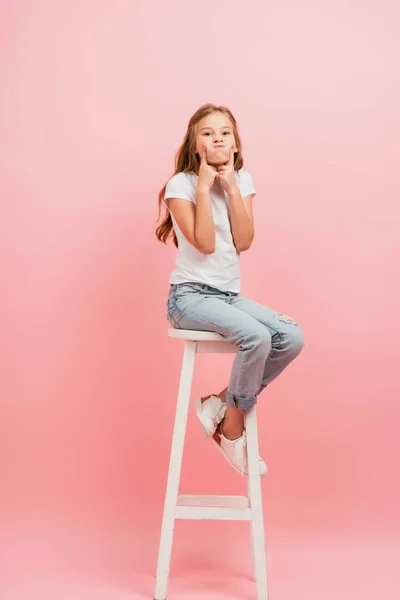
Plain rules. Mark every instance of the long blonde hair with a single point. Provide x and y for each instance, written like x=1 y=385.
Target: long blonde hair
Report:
x=187 y=161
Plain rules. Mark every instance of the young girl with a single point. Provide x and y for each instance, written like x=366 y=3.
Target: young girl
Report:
x=209 y=214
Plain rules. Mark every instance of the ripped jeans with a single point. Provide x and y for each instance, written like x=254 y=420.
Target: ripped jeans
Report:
x=267 y=341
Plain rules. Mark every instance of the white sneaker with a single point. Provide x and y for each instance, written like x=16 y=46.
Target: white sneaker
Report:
x=210 y=413
x=235 y=452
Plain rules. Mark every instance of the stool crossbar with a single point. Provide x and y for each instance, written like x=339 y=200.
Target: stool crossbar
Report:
x=191 y=506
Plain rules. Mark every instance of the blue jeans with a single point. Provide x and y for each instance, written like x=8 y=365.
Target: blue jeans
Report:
x=267 y=341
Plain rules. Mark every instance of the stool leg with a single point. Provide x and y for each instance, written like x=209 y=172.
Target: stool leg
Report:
x=174 y=472
x=259 y=554
x=253 y=552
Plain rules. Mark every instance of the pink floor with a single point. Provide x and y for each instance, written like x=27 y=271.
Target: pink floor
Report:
x=64 y=561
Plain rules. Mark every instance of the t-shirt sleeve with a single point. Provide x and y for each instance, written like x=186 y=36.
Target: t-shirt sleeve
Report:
x=246 y=185
x=178 y=187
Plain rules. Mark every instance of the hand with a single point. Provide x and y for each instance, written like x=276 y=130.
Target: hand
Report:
x=226 y=174
x=207 y=173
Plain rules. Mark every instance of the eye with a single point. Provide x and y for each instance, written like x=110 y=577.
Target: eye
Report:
x=206 y=133
x=227 y=133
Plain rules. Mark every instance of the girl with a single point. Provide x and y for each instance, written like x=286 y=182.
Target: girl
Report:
x=209 y=214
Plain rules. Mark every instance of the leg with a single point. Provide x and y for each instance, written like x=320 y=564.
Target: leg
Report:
x=174 y=472
x=286 y=336
x=189 y=308
x=287 y=340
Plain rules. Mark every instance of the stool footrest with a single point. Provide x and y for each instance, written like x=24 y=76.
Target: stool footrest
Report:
x=231 y=508
x=213 y=501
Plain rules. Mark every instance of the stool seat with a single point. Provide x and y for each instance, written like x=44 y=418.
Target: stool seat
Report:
x=196 y=336
x=204 y=341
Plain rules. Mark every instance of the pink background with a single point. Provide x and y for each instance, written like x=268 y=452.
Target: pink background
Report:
x=96 y=97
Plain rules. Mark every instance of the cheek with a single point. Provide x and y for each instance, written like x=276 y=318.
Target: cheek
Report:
x=200 y=143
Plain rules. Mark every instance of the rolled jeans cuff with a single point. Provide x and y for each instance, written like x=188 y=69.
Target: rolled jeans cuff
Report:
x=240 y=402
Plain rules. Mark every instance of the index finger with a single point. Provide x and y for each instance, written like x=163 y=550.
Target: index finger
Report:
x=231 y=156
x=204 y=155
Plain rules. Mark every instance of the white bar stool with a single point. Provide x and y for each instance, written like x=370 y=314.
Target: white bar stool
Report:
x=189 y=506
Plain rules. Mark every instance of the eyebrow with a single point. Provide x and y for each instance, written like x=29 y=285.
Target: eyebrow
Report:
x=223 y=127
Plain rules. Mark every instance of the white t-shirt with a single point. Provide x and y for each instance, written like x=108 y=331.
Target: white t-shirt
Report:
x=222 y=268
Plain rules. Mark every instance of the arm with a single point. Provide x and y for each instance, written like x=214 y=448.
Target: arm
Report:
x=241 y=218
x=196 y=221
x=204 y=230
x=240 y=208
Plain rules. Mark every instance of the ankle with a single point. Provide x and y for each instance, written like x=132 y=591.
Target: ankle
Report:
x=230 y=432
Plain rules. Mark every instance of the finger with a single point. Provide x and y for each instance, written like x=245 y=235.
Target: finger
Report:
x=231 y=156
x=204 y=155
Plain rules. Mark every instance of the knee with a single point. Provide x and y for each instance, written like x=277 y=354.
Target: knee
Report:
x=295 y=341
x=258 y=341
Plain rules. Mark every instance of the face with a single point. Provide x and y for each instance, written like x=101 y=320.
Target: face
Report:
x=216 y=133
